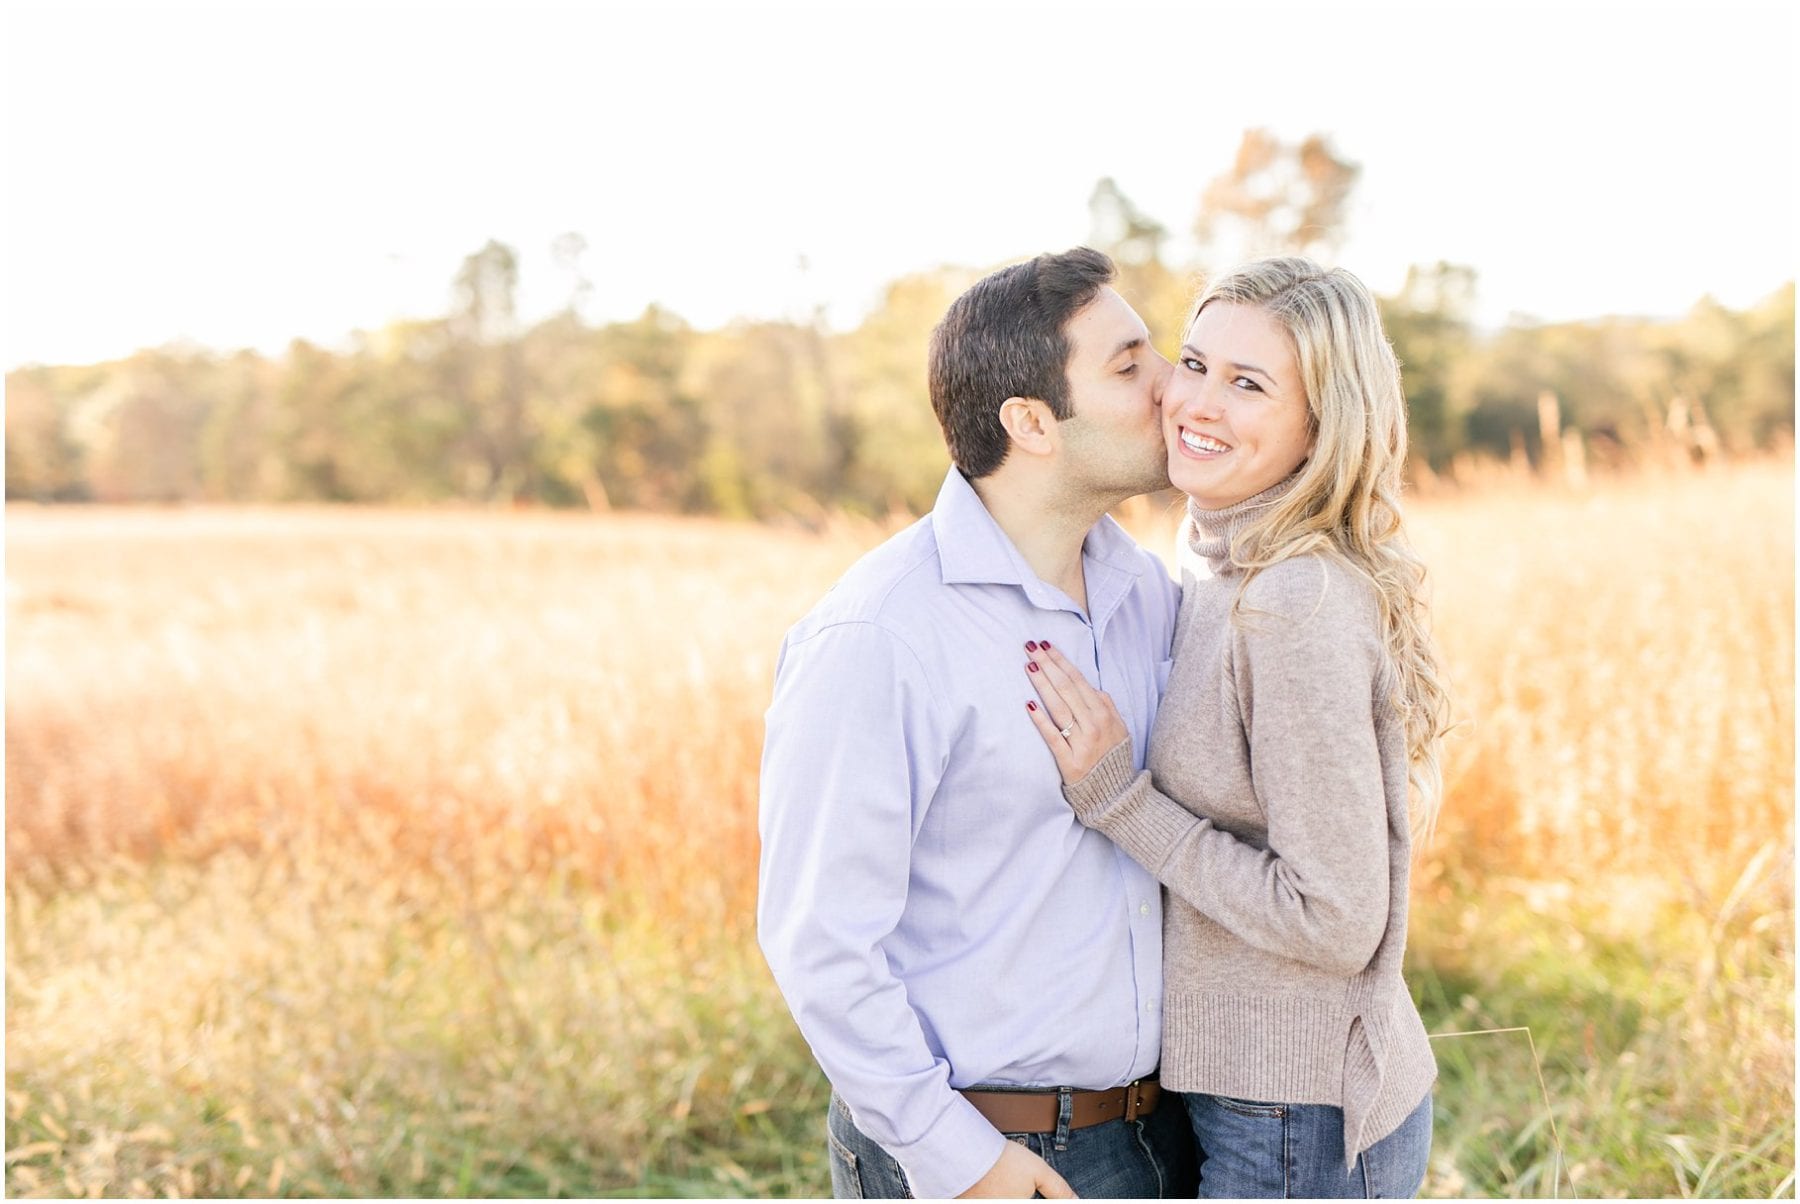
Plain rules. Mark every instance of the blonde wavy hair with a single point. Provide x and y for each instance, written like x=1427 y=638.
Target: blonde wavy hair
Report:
x=1346 y=501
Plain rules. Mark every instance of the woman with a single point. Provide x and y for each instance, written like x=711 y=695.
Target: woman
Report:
x=1303 y=709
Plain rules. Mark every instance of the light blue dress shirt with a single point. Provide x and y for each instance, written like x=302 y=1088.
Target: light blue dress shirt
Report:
x=931 y=908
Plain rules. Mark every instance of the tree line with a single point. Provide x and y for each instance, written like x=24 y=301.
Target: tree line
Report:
x=767 y=418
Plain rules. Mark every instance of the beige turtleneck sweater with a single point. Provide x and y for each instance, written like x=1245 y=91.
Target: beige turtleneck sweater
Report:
x=1274 y=808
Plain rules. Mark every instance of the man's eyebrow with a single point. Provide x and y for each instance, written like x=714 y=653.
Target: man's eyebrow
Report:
x=1130 y=344
x=1190 y=349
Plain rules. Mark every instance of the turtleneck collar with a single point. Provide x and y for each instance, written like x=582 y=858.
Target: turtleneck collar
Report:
x=1210 y=532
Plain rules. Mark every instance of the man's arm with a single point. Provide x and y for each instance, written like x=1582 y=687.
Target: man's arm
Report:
x=854 y=751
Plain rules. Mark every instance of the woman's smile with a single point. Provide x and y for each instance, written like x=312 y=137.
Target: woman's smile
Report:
x=1202 y=447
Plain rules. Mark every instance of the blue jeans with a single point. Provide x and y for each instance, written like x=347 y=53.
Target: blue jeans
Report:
x=1258 y=1151
x=1152 y=1158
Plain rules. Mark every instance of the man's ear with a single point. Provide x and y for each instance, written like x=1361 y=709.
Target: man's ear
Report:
x=1030 y=424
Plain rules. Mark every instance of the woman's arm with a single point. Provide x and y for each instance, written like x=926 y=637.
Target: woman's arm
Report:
x=1318 y=892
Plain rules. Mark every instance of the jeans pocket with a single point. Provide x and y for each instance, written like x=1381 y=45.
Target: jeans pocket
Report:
x=846 y=1179
x=860 y=1168
x=1244 y=1149
x=1251 y=1108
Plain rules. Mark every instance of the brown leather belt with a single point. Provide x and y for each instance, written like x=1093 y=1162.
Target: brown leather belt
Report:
x=1036 y=1111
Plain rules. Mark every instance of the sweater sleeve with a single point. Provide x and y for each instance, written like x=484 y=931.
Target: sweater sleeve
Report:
x=1318 y=891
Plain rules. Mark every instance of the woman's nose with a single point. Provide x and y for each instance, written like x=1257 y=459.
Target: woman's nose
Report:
x=1195 y=399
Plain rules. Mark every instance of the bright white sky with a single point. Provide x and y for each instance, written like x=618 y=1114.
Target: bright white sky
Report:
x=242 y=174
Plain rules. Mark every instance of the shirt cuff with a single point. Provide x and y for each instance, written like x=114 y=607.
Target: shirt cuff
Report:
x=1111 y=776
x=953 y=1154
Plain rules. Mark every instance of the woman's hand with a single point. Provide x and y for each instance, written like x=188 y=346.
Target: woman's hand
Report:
x=1078 y=722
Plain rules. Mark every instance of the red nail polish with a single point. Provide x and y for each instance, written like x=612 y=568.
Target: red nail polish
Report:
x=1044 y=643
x=1032 y=665
x=1031 y=706
x=1031 y=645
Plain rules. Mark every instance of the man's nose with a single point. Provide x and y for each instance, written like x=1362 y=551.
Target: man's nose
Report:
x=1164 y=371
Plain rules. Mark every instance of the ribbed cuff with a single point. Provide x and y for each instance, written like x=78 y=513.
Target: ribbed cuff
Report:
x=1149 y=825
x=1111 y=776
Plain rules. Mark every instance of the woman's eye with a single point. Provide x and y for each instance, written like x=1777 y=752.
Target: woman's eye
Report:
x=1244 y=382
x=1193 y=365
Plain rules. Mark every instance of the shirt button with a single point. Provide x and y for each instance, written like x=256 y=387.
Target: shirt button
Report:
x=1149 y=1007
x=1143 y=909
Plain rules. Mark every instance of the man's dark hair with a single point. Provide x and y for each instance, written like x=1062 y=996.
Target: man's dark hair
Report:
x=1004 y=338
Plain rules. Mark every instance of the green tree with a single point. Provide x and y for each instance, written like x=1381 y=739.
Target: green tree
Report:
x=901 y=466
x=773 y=443
x=314 y=428
x=647 y=426
x=484 y=374
x=239 y=447
x=1429 y=323
x=1738 y=364
x=1136 y=242
x=564 y=360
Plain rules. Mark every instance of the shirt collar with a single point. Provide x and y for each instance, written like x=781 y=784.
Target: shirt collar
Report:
x=973 y=550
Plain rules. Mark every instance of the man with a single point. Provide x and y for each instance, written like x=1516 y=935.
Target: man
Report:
x=968 y=963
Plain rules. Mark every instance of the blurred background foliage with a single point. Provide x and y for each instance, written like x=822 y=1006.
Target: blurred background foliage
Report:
x=791 y=418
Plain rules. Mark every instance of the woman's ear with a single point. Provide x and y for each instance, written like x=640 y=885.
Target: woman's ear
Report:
x=1029 y=424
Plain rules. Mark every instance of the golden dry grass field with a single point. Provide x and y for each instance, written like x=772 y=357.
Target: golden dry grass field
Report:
x=401 y=853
